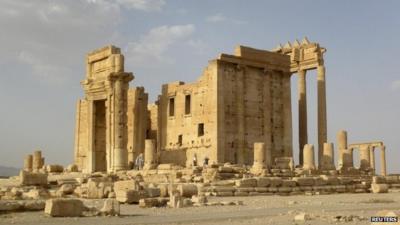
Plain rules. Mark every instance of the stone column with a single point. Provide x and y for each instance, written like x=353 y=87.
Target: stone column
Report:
x=372 y=158
x=328 y=157
x=308 y=158
x=322 y=122
x=149 y=154
x=259 y=155
x=268 y=157
x=28 y=161
x=37 y=160
x=302 y=102
x=120 y=151
x=365 y=159
x=341 y=140
x=383 y=160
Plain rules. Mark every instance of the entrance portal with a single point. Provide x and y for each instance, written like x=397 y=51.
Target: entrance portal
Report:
x=100 y=135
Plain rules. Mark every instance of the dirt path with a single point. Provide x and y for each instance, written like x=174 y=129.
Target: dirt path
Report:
x=275 y=210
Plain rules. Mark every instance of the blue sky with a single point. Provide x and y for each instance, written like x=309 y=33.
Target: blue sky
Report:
x=43 y=45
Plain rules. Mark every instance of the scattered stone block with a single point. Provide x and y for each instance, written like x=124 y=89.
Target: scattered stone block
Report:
x=153 y=192
x=289 y=183
x=379 y=188
x=263 y=181
x=199 y=199
x=111 y=207
x=276 y=181
x=127 y=196
x=54 y=168
x=302 y=217
x=64 y=207
x=187 y=190
x=304 y=181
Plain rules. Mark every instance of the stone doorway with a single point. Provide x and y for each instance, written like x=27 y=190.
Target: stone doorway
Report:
x=100 y=135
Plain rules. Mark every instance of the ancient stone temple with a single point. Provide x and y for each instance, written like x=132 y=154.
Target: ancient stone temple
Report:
x=111 y=119
x=240 y=99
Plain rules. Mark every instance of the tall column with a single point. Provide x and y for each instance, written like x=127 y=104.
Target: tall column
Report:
x=341 y=139
x=383 y=160
x=372 y=158
x=322 y=122
x=309 y=160
x=365 y=159
x=149 y=154
x=302 y=102
x=120 y=151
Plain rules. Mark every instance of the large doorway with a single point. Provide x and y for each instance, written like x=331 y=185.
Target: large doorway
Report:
x=100 y=135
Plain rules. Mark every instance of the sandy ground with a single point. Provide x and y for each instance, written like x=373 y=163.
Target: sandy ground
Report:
x=276 y=210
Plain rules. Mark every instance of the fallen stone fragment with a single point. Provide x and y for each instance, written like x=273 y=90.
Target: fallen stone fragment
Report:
x=301 y=217
x=63 y=207
x=379 y=188
x=111 y=207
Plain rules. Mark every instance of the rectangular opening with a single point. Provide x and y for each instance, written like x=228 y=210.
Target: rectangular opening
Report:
x=200 y=129
x=180 y=139
x=187 y=104
x=171 y=107
x=99 y=135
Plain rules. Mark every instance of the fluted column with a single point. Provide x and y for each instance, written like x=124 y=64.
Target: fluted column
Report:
x=383 y=160
x=322 y=122
x=120 y=151
x=302 y=102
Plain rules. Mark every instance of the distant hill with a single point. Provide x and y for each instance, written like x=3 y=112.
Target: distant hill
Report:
x=8 y=171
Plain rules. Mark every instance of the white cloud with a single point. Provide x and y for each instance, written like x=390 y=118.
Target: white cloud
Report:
x=220 y=18
x=395 y=85
x=145 y=5
x=153 y=46
x=216 y=18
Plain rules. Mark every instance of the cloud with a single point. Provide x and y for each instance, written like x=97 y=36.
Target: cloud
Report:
x=220 y=18
x=395 y=85
x=145 y=5
x=153 y=46
x=51 y=37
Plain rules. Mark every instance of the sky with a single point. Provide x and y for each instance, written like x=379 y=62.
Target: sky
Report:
x=43 y=45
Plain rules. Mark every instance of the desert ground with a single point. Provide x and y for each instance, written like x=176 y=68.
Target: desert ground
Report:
x=274 y=210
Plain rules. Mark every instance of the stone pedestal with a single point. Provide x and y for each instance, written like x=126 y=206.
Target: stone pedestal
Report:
x=302 y=101
x=322 y=122
x=308 y=157
x=327 y=162
x=28 y=163
x=345 y=155
x=150 y=154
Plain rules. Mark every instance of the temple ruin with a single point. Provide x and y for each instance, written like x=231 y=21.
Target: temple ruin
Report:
x=239 y=100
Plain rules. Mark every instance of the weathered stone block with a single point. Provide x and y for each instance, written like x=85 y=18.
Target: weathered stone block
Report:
x=246 y=182
x=187 y=190
x=54 y=168
x=379 y=188
x=289 y=183
x=126 y=185
x=30 y=178
x=304 y=181
x=111 y=207
x=276 y=181
x=263 y=181
x=153 y=192
x=378 y=180
x=127 y=196
x=64 y=207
